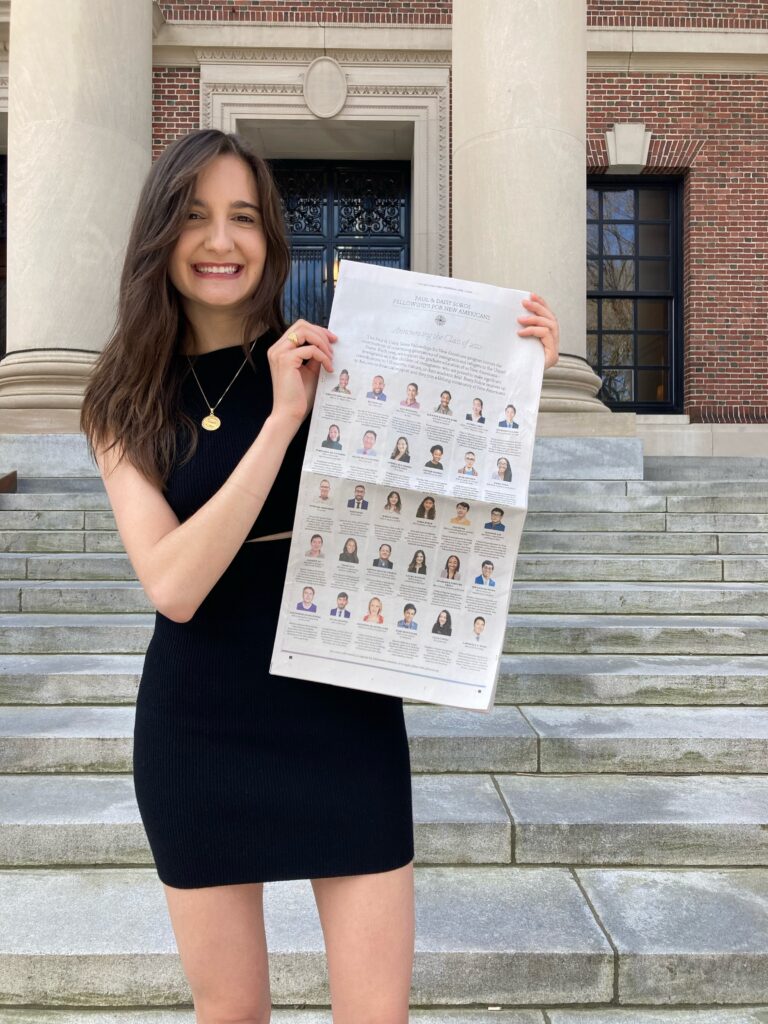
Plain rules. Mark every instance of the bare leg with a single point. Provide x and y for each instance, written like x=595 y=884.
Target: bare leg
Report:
x=368 y=924
x=220 y=935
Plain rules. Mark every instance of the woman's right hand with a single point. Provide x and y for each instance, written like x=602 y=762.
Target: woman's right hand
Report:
x=295 y=368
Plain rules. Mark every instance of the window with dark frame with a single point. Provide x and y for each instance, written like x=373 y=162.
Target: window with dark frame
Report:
x=634 y=315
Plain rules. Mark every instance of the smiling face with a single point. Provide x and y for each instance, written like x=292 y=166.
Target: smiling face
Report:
x=333 y=433
x=384 y=552
x=437 y=453
x=218 y=260
x=418 y=558
x=445 y=398
x=452 y=563
x=461 y=510
x=429 y=504
x=359 y=493
x=469 y=460
x=351 y=546
x=343 y=379
x=496 y=516
x=410 y=393
x=393 y=499
x=503 y=466
x=325 y=489
x=316 y=545
x=442 y=618
x=402 y=446
x=479 y=626
x=369 y=440
x=377 y=385
x=341 y=602
x=477 y=407
x=374 y=606
x=487 y=569
x=408 y=614
x=307 y=594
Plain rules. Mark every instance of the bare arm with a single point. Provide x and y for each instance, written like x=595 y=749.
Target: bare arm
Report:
x=178 y=563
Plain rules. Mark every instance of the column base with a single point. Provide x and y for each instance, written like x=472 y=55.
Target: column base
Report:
x=571 y=386
x=44 y=380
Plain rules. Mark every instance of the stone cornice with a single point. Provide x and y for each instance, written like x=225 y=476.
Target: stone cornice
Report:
x=676 y=51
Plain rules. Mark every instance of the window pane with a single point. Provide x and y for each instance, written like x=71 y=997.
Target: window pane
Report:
x=654 y=204
x=617 y=350
x=617 y=386
x=654 y=240
x=619 y=205
x=654 y=275
x=652 y=314
x=652 y=350
x=652 y=385
x=592 y=280
x=618 y=275
x=619 y=239
x=593 y=203
x=591 y=314
x=592 y=350
x=617 y=314
x=593 y=239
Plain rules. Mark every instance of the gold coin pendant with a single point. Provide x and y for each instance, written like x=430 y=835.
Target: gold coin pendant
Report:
x=211 y=422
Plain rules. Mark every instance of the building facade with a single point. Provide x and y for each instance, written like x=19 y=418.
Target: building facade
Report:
x=610 y=155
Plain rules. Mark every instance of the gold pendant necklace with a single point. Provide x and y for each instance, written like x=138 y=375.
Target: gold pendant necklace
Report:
x=211 y=421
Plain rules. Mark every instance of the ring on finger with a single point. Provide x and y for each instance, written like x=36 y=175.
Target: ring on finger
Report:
x=294 y=338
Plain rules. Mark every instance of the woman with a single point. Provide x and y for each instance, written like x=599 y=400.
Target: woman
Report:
x=418 y=563
x=394 y=502
x=375 y=608
x=451 y=570
x=199 y=342
x=426 y=509
x=400 y=452
x=342 y=388
x=349 y=551
x=442 y=626
x=476 y=416
x=503 y=471
x=410 y=402
x=333 y=440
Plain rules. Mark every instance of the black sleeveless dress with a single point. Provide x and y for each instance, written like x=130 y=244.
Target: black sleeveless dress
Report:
x=241 y=776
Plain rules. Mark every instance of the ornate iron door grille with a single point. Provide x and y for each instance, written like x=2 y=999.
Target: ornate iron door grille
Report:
x=354 y=211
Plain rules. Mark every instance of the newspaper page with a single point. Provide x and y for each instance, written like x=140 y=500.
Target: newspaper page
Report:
x=413 y=491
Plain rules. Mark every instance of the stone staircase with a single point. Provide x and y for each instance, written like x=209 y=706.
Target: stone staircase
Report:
x=595 y=851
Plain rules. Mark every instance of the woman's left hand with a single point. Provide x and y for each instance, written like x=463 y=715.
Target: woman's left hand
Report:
x=542 y=324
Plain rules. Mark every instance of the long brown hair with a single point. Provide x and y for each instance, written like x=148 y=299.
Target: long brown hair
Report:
x=134 y=388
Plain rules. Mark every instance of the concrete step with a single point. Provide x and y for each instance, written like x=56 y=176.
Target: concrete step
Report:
x=567 y=566
x=60 y=541
x=73 y=634
x=487 y=935
x=638 y=820
x=564 y=501
x=707 y=1015
x=45 y=519
x=557 y=739
x=713 y=522
x=671 y=597
x=48 y=820
x=38 y=500
x=642 y=634
x=719 y=467
x=750 y=503
x=743 y=543
x=617 y=679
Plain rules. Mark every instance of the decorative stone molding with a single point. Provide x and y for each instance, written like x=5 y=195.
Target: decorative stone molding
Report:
x=628 y=146
x=233 y=92
x=325 y=87
x=571 y=386
x=252 y=55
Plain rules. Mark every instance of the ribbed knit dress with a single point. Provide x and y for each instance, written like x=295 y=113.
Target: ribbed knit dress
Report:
x=241 y=776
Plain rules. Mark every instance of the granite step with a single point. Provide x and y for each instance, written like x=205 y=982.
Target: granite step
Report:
x=446 y=1015
x=484 y=935
x=716 y=522
x=551 y=739
x=636 y=679
x=55 y=500
x=49 y=820
x=602 y=543
x=638 y=819
x=523 y=679
x=548 y=597
x=642 y=634
x=109 y=633
x=670 y=597
x=60 y=820
x=566 y=566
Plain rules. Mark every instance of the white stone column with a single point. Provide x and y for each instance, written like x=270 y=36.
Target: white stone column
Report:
x=79 y=146
x=519 y=169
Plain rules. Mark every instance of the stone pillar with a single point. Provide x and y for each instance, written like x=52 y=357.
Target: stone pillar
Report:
x=519 y=168
x=79 y=147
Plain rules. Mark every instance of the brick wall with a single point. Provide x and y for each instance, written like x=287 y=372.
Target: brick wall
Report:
x=175 y=104
x=711 y=128
x=421 y=12
x=723 y=14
